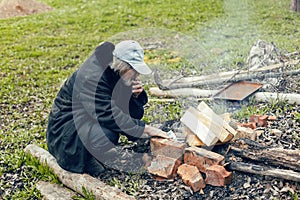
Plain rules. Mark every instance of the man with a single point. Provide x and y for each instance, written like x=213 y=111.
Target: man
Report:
x=99 y=101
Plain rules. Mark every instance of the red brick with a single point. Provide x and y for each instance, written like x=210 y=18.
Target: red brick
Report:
x=217 y=175
x=163 y=166
x=166 y=147
x=254 y=118
x=272 y=117
x=202 y=158
x=191 y=176
x=248 y=125
x=260 y=120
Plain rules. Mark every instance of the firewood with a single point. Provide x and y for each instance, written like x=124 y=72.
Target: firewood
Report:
x=275 y=156
x=265 y=171
x=77 y=182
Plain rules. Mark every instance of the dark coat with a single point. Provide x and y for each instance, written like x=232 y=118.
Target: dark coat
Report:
x=92 y=99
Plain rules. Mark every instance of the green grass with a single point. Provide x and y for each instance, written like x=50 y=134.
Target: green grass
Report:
x=38 y=52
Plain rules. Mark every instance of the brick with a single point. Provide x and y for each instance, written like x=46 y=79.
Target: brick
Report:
x=165 y=167
x=217 y=175
x=166 y=147
x=260 y=120
x=202 y=158
x=248 y=125
x=191 y=176
x=272 y=117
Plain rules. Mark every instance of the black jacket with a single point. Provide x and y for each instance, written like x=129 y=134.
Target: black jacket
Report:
x=94 y=94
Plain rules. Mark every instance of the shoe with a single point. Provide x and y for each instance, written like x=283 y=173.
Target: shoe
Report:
x=93 y=167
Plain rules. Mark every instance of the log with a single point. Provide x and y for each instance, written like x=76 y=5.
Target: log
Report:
x=265 y=171
x=51 y=191
x=182 y=92
x=223 y=77
x=74 y=181
x=249 y=149
x=291 y=98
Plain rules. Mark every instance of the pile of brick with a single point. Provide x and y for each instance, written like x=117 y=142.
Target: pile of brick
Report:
x=195 y=165
x=192 y=164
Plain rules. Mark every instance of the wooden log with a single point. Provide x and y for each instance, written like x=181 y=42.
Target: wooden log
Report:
x=265 y=171
x=52 y=191
x=223 y=77
x=291 y=98
x=275 y=156
x=182 y=92
x=77 y=182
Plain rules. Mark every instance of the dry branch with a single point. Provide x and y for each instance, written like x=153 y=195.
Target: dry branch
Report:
x=77 y=181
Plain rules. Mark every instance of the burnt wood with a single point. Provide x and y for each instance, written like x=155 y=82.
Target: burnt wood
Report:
x=252 y=150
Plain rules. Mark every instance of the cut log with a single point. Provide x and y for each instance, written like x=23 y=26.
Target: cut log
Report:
x=291 y=98
x=275 y=156
x=192 y=119
x=77 y=182
x=227 y=132
x=265 y=171
x=197 y=81
x=207 y=125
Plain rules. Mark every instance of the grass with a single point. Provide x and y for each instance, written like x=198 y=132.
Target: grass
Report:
x=39 y=51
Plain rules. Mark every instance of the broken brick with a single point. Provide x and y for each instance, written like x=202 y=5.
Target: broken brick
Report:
x=248 y=125
x=260 y=120
x=166 y=147
x=163 y=166
x=191 y=176
x=217 y=175
x=202 y=158
x=272 y=117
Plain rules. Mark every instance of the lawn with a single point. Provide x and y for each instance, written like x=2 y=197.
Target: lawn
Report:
x=39 y=51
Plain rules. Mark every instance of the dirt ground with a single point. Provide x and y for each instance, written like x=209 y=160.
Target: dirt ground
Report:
x=15 y=8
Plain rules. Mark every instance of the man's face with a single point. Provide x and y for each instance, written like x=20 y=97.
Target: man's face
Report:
x=128 y=76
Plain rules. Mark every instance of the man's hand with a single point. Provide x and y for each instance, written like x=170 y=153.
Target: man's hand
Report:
x=152 y=131
x=137 y=87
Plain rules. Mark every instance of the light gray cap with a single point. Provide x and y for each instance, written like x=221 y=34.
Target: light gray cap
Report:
x=131 y=52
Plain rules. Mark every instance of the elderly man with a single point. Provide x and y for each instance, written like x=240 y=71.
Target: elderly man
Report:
x=99 y=101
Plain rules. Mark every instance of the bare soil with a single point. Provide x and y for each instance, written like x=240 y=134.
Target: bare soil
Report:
x=15 y=8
